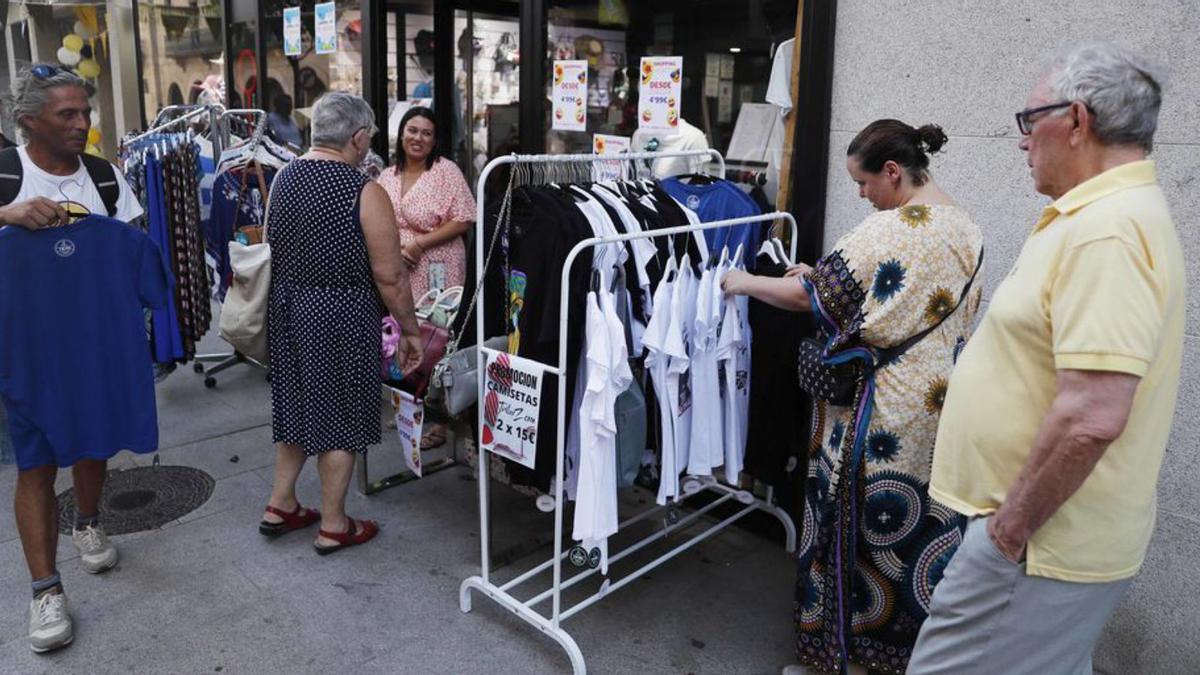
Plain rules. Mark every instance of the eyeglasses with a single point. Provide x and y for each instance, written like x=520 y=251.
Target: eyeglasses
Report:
x=43 y=71
x=1025 y=124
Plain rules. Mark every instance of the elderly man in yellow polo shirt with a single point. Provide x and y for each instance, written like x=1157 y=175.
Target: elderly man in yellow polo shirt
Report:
x=1057 y=415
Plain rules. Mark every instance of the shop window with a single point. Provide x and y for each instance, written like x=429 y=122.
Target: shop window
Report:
x=303 y=78
x=727 y=48
x=181 y=48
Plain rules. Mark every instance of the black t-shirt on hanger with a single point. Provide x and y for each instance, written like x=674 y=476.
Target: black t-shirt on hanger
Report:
x=779 y=410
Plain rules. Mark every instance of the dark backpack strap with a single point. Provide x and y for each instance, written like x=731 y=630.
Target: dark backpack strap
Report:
x=104 y=177
x=11 y=174
x=886 y=356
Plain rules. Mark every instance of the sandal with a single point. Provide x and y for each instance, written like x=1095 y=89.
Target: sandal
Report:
x=348 y=538
x=425 y=304
x=296 y=520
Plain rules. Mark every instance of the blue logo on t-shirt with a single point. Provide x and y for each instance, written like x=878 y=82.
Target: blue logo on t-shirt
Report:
x=693 y=202
x=64 y=248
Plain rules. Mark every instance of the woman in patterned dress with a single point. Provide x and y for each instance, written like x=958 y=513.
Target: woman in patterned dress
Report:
x=873 y=544
x=434 y=208
x=335 y=268
x=433 y=204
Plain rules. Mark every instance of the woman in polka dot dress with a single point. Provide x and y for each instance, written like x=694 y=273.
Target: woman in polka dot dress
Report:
x=336 y=266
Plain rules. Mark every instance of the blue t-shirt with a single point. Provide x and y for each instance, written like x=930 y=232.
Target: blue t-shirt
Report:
x=75 y=369
x=720 y=200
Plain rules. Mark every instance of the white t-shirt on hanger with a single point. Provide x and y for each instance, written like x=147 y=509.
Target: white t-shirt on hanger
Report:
x=597 y=423
x=734 y=355
x=707 y=449
x=679 y=331
x=657 y=364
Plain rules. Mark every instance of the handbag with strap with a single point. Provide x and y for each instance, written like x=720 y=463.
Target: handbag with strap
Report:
x=454 y=384
x=838 y=383
x=244 y=313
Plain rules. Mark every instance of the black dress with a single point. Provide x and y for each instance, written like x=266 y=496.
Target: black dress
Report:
x=324 y=312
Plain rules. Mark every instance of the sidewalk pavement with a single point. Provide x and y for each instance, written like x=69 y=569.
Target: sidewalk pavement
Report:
x=207 y=594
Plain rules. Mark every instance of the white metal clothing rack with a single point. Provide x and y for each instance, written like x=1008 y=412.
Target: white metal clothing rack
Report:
x=190 y=113
x=502 y=594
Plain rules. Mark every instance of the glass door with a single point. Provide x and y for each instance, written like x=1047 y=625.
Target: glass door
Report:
x=487 y=68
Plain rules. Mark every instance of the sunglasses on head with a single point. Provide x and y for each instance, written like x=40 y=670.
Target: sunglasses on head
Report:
x=43 y=71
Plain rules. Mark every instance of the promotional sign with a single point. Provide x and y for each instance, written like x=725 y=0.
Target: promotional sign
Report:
x=570 y=96
x=511 y=403
x=662 y=86
x=326 y=27
x=410 y=417
x=291 y=31
x=604 y=144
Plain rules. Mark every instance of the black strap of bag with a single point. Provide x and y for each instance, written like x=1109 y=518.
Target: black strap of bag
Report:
x=886 y=356
x=838 y=384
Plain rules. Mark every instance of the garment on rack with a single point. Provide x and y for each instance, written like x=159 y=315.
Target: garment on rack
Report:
x=164 y=172
x=679 y=386
x=165 y=335
x=68 y=396
x=237 y=201
x=525 y=279
x=707 y=435
x=777 y=428
x=596 y=515
x=658 y=360
x=733 y=354
x=719 y=200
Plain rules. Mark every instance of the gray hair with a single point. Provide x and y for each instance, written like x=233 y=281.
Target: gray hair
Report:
x=31 y=93
x=1123 y=91
x=337 y=116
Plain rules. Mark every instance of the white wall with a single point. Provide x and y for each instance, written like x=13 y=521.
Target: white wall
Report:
x=968 y=66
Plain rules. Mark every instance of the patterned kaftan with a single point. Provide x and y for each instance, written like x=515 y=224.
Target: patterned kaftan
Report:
x=867 y=498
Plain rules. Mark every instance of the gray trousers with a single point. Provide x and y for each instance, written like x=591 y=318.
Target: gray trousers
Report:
x=988 y=616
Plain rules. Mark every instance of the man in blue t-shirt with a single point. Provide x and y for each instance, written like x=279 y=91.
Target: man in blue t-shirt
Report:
x=52 y=185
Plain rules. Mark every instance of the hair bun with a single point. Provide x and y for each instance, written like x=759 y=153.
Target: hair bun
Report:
x=933 y=137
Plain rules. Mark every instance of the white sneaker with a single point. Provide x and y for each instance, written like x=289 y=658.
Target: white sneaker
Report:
x=96 y=552
x=49 y=622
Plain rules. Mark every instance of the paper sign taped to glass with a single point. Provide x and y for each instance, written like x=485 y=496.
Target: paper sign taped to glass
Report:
x=512 y=391
x=410 y=417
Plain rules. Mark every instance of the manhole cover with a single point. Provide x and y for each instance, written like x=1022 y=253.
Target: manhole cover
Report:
x=144 y=498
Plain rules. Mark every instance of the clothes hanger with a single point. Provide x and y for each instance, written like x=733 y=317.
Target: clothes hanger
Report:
x=768 y=249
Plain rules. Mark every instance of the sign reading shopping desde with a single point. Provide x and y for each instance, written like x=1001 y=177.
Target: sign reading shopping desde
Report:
x=658 y=99
x=570 y=96
x=326 y=27
x=604 y=144
x=291 y=31
x=410 y=417
x=511 y=403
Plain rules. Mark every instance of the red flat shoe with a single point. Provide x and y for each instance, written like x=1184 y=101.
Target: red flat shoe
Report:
x=348 y=538
x=296 y=520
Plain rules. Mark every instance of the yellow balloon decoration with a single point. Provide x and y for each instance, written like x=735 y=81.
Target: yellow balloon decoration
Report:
x=93 y=136
x=73 y=42
x=88 y=69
